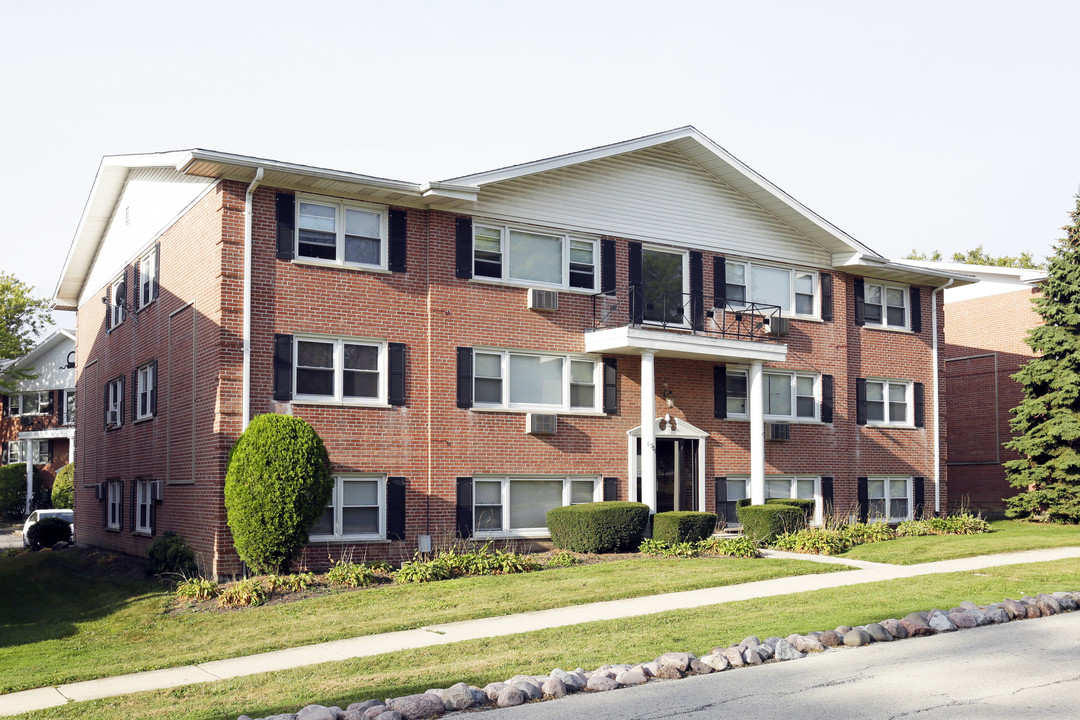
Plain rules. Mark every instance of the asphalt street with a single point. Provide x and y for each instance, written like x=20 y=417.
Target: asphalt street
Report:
x=1022 y=669
x=10 y=540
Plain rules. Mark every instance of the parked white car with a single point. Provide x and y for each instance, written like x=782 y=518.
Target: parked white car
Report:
x=68 y=515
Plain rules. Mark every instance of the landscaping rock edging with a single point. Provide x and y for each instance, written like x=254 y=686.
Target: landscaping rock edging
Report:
x=674 y=665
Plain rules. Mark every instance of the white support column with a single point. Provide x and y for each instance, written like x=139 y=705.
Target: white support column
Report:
x=28 y=450
x=648 y=431
x=757 y=434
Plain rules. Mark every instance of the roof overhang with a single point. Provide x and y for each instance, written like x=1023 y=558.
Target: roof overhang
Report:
x=628 y=340
x=57 y=337
x=901 y=272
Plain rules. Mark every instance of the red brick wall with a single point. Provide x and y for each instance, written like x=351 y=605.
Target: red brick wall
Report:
x=984 y=348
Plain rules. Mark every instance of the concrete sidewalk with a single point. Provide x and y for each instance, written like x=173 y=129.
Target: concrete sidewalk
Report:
x=368 y=645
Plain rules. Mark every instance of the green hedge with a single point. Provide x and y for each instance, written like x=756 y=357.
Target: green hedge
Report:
x=600 y=527
x=763 y=523
x=683 y=526
x=13 y=490
x=805 y=504
x=63 y=488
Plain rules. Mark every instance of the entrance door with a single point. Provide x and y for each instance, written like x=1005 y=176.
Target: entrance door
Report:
x=676 y=474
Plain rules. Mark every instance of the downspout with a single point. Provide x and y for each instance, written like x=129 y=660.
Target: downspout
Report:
x=245 y=393
x=937 y=395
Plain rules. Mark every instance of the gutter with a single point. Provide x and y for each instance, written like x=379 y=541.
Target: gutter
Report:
x=937 y=395
x=245 y=393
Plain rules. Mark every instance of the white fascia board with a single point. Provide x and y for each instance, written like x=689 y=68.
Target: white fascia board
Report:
x=1018 y=275
x=904 y=272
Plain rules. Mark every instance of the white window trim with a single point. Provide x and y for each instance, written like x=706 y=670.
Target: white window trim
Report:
x=144 y=498
x=15 y=452
x=69 y=418
x=565 y=407
x=685 y=300
x=793 y=479
x=504 y=252
x=147 y=278
x=340 y=206
x=118 y=314
x=338 y=398
x=793 y=273
x=905 y=293
x=793 y=417
x=537 y=532
x=40 y=451
x=907 y=479
x=20 y=400
x=116 y=401
x=335 y=502
x=147 y=381
x=114 y=502
x=909 y=403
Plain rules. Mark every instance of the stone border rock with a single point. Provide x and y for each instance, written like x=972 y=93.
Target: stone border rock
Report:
x=674 y=665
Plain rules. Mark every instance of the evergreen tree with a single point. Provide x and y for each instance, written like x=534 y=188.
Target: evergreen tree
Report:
x=1047 y=422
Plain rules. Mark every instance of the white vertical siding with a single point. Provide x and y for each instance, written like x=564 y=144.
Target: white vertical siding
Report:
x=655 y=194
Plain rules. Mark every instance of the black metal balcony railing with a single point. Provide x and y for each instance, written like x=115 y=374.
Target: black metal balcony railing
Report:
x=641 y=306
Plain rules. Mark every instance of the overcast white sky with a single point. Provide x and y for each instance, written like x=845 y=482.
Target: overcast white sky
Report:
x=927 y=125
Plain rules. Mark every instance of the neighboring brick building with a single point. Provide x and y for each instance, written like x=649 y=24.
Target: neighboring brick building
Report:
x=980 y=359
x=37 y=422
x=475 y=351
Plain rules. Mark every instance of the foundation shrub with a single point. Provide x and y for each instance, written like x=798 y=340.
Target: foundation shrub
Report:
x=171 y=554
x=13 y=490
x=47 y=532
x=816 y=541
x=683 y=526
x=807 y=505
x=738 y=547
x=763 y=523
x=63 y=488
x=600 y=527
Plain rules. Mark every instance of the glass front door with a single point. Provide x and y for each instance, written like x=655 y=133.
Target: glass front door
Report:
x=676 y=474
x=662 y=275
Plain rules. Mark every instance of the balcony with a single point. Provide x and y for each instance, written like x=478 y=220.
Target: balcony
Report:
x=637 y=319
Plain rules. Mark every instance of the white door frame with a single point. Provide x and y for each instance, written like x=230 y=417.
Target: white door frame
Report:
x=669 y=428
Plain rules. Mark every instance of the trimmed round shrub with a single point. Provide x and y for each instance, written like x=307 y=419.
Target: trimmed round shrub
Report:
x=47 y=532
x=763 y=523
x=599 y=527
x=277 y=486
x=683 y=526
x=13 y=490
x=170 y=554
x=63 y=488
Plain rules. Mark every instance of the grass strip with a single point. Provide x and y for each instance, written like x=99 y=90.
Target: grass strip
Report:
x=588 y=645
x=73 y=619
x=1008 y=536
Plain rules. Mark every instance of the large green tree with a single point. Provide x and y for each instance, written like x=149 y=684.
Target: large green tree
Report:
x=978 y=256
x=1047 y=422
x=22 y=318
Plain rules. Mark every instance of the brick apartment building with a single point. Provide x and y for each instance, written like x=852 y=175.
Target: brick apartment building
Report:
x=476 y=351
x=37 y=422
x=980 y=359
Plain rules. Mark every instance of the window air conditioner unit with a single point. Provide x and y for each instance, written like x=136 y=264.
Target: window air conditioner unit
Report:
x=99 y=491
x=155 y=491
x=543 y=299
x=778 y=326
x=778 y=431
x=541 y=424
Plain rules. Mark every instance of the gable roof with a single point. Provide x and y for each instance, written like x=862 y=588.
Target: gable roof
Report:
x=51 y=341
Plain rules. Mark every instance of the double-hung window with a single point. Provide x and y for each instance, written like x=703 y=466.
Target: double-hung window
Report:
x=356 y=510
x=510 y=379
x=114 y=502
x=888 y=402
x=344 y=233
x=886 y=305
x=802 y=488
x=890 y=498
x=343 y=370
x=519 y=506
x=42 y=456
x=114 y=402
x=118 y=304
x=35 y=403
x=146 y=377
x=69 y=407
x=794 y=291
x=15 y=452
x=144 y=498
x=786 y=395
x=148 y=278
x=534 y=257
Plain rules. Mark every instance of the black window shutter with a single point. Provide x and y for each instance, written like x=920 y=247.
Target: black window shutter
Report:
x=920 y=404
x=396 y=252
x=154 y=387
x=153 y=509
x=134 y=394
x=918 y=490
x=860 y=302
x=611 y=489
x=826 y=297
x=637 y=300
x=155 y=288
x=611 y=386
x=123 y=399
x=827 y=393
x=3 y=405
x=134 y=504
x=105 y=504
x=826 y=497
x=719 y=281
x=51 y=449
x=283 y=366
x=136 y=290
x=719 y=374
x=860 y=401
x=106 y=406
x=397 y=373
x=395 y=508
x=864 y=499
x=285 y=207
x=916 y=309
x=697 y=291
x=464 y=507
x=607 y=266
x=464 y=377
x=56 y=404
x=3 y=453
x=52 y=403
x=108 y=308
x=719 y=495
x=463 y=248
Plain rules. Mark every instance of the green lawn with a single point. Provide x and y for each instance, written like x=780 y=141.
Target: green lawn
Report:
x=72 y=619
x=588 y=645
x=1008 y=536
